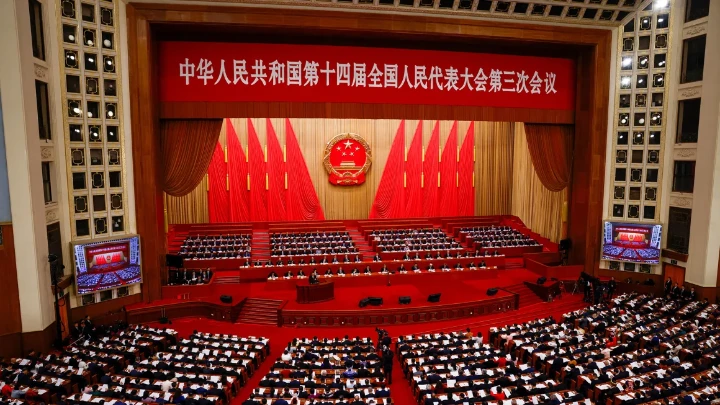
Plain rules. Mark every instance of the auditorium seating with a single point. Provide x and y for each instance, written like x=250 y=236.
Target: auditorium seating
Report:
x=638 y=349
x=326 y=371
x=139 y=364
x=412 y=240
x=317 y=244
x=227 y=246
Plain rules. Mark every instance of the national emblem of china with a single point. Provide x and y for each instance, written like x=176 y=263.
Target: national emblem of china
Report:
x=347 y=159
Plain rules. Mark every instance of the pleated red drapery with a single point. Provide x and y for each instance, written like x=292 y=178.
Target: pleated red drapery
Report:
x=302 y=200
x=550 y=149
x=237 y=177
x=390 y=196
x=218 y=195
x=430 y=174
x=466 y=168
x=447 y=199
x=413 y=174
x=258 y=190
x=186 y=148
x=276 y=177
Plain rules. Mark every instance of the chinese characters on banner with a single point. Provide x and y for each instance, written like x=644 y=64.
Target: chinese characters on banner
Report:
x=307 y=73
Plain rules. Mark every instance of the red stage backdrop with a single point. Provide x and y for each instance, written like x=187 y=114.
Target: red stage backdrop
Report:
x=195 y=71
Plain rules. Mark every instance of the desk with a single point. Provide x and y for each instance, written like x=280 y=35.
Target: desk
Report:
x=508 y=251
x=311 y=293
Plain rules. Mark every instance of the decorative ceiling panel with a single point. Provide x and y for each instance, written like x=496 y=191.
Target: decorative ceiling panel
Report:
x=609 y=13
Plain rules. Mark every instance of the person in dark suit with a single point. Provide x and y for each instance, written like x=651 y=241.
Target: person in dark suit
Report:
x=612 y=286
x=387 y=359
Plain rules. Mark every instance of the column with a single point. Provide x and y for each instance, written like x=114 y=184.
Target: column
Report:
x=704 y=249
x=22 y=142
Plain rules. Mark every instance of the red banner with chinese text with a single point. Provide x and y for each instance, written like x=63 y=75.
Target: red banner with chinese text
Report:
x=195 y=71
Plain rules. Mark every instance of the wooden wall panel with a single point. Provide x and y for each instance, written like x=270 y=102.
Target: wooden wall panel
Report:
x=149 y=207
x=493 y=165
x=10 y=321
x=103 y=310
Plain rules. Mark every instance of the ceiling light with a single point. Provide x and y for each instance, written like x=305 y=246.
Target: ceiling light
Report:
x=661 y=3
x=627 y=61
x=643 y=62
x=641 y=120
x=661 y=19
x=640 y=80
x=110 y=113
x=624 y=120
x=660 y=79
x=662 y=63
x=89 y=114
x=625 y=81
x=76 y=110
x=91 y=60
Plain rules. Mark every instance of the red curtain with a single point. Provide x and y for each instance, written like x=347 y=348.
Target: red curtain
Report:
x=413 y=173
x=430 y=174
x=466 y=169
x=390 y=196
x=303 y=203
x=258 y=190
x=276 y=177
x=237 y=177
x=550 y=149
x=218 y=195
x=447 y=199
x=186 y=148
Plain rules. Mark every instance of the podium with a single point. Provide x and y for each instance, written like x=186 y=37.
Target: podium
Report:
x=311 y=293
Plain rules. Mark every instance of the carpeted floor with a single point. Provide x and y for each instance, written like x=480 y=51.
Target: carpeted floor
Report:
x=400 y=389
x=347 y=298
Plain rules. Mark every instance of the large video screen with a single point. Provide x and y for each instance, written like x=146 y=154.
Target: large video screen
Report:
x=108 y=264
x=639 y=243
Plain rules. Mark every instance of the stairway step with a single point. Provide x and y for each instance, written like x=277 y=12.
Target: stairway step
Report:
x=258 y=317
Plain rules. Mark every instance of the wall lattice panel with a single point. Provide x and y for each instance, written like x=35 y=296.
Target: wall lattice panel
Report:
x=89 y=40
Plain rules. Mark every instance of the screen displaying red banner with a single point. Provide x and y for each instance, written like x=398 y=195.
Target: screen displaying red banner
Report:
x=220 y=72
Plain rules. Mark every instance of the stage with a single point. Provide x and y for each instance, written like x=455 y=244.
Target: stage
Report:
x=463 y=294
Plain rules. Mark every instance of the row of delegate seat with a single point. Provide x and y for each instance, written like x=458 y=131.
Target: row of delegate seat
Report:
x=319 y=371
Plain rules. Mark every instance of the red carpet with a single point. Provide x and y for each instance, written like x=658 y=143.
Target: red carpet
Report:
x=400 y=389
x=347 y=298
